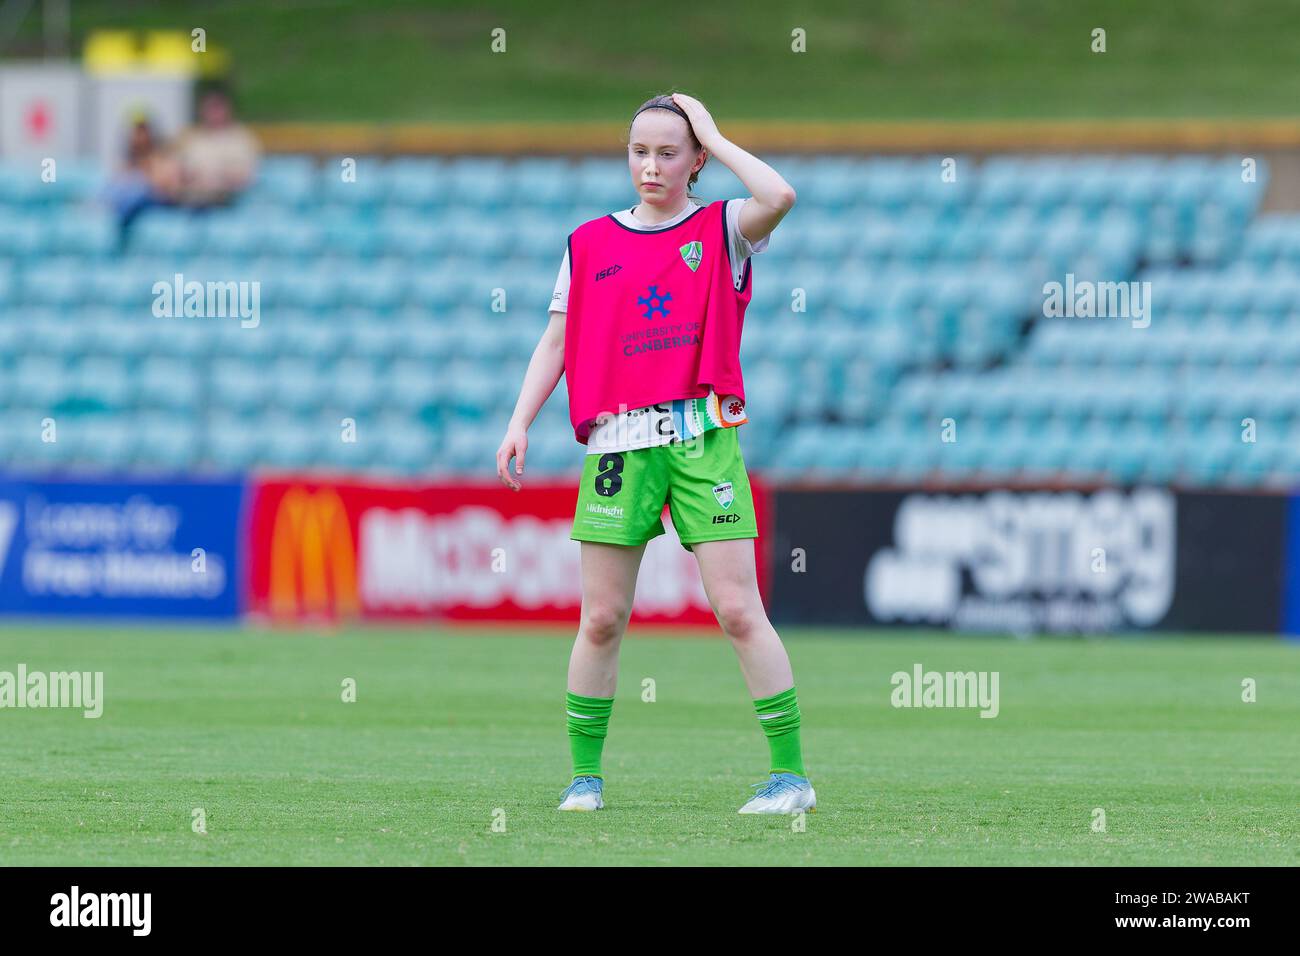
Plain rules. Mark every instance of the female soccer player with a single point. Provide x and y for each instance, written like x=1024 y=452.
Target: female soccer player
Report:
x=645 y=324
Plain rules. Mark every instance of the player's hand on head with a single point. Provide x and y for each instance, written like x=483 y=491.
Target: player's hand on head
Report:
x=706 y=130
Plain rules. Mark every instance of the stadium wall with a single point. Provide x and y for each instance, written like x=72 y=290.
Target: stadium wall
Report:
x=294 y=549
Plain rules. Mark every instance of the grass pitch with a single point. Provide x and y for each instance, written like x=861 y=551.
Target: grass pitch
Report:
x=433 y=60
x=453 y=730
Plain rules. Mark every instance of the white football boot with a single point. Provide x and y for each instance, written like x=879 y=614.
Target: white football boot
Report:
x=782 y=793
x=583 y=794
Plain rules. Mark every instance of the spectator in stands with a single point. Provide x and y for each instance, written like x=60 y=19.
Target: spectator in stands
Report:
x=218 y=157
x=149 y=176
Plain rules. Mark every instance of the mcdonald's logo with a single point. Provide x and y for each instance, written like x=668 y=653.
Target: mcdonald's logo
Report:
x=313 y=562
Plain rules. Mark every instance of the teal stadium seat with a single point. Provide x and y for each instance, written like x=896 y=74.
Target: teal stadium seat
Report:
x=923 y=300
x=287 y=181
x=166 y=443
x=416 y=183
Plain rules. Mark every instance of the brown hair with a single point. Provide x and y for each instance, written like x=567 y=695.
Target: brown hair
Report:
x=665 y=101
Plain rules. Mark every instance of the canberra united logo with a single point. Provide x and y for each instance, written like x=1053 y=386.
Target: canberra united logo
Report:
x=693 y=254
x=724 y=493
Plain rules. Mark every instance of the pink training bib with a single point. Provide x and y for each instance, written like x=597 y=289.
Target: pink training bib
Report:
x=653 y=316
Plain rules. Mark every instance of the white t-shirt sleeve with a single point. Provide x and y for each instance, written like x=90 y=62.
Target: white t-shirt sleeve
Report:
x=560 y=297
x=741 y=248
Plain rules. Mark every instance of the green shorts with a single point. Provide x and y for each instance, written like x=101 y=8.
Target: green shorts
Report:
x=703 y=480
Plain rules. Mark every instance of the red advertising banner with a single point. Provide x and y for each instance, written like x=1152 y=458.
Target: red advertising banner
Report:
x=321 y=549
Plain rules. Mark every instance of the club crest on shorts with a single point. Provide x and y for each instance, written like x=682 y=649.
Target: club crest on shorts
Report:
x=693 y=254
x=724 y=493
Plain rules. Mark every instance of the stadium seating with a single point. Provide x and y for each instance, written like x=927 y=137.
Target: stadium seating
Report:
x=409 y=298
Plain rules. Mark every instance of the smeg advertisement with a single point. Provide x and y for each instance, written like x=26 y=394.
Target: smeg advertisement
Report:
x=1030 y=561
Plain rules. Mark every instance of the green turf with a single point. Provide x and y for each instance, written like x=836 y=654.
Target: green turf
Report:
x=412 y=60
x=449 y=727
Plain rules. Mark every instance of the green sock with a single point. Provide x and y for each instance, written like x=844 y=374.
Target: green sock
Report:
x=779 y=716
x=588 y=720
